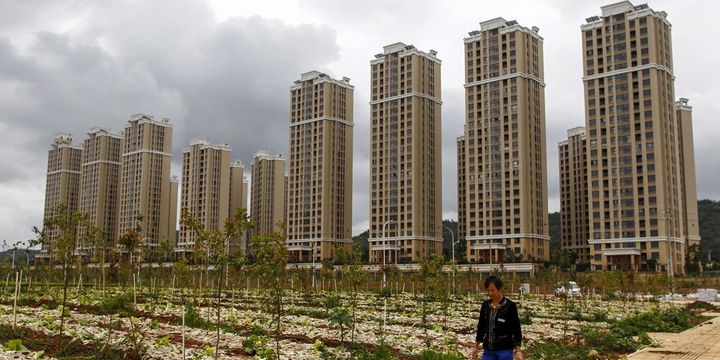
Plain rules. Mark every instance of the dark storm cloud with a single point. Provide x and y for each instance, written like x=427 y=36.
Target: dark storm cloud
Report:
x=228 y=81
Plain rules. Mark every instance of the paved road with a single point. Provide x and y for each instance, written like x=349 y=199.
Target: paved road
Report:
x=699 y=343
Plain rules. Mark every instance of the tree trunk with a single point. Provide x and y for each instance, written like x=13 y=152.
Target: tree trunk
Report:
x=219 y=290
x=17 y=293
x=64 y=300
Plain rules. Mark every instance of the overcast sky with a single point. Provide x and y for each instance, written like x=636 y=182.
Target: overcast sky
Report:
x=222 y=69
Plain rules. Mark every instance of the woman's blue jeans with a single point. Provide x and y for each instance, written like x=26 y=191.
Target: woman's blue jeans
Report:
x=506 y=354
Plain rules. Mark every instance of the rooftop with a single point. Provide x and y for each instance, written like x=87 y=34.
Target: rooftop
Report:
x=405 y=49
x=318 y=77
x=624 y=7
x=504 y=26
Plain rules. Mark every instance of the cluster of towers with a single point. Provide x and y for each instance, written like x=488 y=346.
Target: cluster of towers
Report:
x=122 y=182
x=627 y=178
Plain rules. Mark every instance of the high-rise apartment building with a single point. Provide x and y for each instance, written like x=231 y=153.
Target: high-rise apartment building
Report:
x=145 y=184
x=99 y=185
x=405 y=169
x=689 y=216
x=238 y=200
x=206 y=190
x=172 y=222
x=319 y=181
x=638 y=181
x=62 y=186
x=267 y=201
x=502 y=170
x=238 y=182
x=574 y=229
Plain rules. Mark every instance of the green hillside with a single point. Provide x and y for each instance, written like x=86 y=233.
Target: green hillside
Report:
x=709 y=217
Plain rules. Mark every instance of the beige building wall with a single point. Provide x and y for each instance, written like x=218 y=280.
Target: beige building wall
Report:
x=238 y=201
x=62 y=184
x=319 y=181
x=689 y=217
x=267 y=201
x=206 y=190
x=462 y=195
x=406 y=154
x=246 y=191
x=145 y=183
x=635 y=190
x=574 y=229
x=172 y=222
x=99 y=184
x=504 y=176
x=237 y=193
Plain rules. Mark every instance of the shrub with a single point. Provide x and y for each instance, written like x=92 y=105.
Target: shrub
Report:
x=14 y=345
x=163 y=341
x=615 y=340
x=598 y=316
x=120 y=304
x=257 y=345
x=332 y=302
x=194 y=320
x=669 y=320
x=7 y=332
x=701 y=305
x=526 y=317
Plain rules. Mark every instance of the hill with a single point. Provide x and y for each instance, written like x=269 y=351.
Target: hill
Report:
x=709 y=218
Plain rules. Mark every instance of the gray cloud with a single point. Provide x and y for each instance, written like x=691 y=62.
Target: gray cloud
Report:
x=66 y=66
x=228 y=81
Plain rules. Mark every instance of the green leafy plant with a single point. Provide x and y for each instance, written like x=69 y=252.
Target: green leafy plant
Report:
x=214 y=243
x=14 y=345
x=120 y=304
x=322 y=350
x=526 y=316
x=271 y=270
x=163 y=341
x=209 y=350
x=257 y=345
x=339 y=317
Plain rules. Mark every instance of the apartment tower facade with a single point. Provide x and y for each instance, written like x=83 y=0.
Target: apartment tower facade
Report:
x=638 y=204
x=238 y=200
x=99 y=185
x=205 y=190
x=574 y=229
x=319 y=181
x=62 y=185
x=689 y=216
x=267 y=200
x=146 y=187
x=405 y=169
x=502 y=168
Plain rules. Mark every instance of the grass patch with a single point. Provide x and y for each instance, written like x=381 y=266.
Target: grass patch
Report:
x=435 y=355
x=119 y=304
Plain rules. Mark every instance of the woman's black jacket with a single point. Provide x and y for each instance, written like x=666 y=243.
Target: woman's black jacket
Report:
x=507 y=326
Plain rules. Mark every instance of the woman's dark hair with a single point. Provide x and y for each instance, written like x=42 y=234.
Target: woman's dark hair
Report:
x=492 y=279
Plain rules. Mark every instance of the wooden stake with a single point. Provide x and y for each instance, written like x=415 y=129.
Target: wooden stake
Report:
x=172 y=288
x=17 y=293
x=134 y=293
x=183 y=331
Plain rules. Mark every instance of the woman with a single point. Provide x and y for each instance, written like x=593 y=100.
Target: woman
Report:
x=498 y=329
